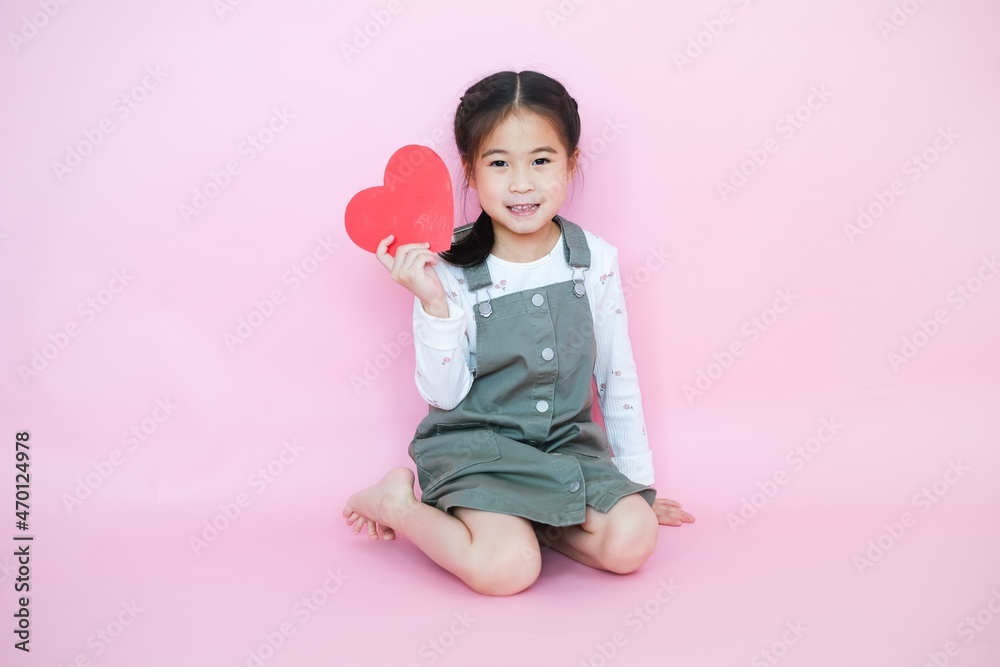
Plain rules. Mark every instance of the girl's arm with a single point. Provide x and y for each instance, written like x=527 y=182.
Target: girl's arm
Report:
x=441 y=344
x=617 y=379
x=439 y=326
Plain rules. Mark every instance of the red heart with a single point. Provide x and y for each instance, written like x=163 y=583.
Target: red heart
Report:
x=415 y=204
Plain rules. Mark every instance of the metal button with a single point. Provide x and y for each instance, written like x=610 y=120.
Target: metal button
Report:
x=542 y=406
x=574 y=487
x=538 y=299
x=579 y=289
x=547 y=354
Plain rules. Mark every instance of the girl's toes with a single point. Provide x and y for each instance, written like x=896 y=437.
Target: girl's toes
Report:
x=388 y=534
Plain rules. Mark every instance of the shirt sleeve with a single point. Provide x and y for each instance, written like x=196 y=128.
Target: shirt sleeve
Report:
x=617 y=379
x=441 y=346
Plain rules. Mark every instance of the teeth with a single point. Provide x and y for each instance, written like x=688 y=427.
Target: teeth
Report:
x=523 y=207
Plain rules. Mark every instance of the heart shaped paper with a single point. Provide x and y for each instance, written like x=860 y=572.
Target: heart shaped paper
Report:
x=415 y=204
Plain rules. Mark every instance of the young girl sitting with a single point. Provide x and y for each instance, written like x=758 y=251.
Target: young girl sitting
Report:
x=510 y=331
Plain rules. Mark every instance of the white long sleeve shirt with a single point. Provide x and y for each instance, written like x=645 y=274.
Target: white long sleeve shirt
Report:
x=444 y=345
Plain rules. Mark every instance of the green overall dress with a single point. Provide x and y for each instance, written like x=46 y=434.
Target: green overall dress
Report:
x=522 y=441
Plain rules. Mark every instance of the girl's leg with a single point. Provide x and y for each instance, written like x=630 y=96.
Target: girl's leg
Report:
x=495 y=554
x=619 y=541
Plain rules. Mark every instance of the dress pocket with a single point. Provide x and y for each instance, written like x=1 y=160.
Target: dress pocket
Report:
x=586 y=439
x=451 y=449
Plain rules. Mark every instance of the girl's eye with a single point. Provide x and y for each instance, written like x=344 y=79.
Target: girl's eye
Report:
x=537 y=162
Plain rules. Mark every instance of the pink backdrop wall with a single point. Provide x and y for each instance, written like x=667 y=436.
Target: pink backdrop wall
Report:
x=188 y=332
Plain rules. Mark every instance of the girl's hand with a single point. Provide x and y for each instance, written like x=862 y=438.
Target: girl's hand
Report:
x=669 y=513
x=413 y=268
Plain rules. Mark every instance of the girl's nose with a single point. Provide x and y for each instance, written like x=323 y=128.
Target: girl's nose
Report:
x=520 y=184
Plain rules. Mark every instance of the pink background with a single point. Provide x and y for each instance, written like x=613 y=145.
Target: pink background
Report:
x=660 y=135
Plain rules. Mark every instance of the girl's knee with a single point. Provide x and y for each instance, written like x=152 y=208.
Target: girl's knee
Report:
x=509 y=571
x=631 y=539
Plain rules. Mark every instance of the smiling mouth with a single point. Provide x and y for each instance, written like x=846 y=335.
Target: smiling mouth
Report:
x=523 y=209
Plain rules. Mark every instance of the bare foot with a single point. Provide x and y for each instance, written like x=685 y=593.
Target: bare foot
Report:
x=381 y=505
x=669 y=513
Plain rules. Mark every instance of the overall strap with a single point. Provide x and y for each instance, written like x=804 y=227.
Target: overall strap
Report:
x=477 y=277
x=575 y=243
x=575 y=248
x=577 y=252
x=478 y=280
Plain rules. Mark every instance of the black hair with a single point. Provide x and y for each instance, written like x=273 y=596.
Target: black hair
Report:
x=487 y=104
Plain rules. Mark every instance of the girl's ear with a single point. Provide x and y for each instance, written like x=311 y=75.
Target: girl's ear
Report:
x=470 y=175
x=573 y=164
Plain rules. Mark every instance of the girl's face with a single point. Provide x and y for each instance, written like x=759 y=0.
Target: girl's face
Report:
x=521 y=175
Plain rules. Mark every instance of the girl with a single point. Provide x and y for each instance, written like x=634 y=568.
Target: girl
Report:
x=509 y=332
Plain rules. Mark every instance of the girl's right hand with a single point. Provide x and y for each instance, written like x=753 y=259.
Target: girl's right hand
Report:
x=413 y=268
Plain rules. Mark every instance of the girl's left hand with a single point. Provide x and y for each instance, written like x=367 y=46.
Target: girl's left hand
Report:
x=669 y=513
